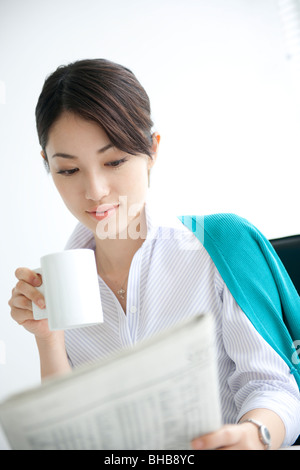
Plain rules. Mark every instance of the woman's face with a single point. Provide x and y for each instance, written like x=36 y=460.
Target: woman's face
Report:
x=103 y=187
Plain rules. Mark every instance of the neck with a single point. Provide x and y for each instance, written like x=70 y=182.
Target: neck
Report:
x=114 y=256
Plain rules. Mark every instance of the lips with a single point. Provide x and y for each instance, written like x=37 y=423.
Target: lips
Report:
x=103 y=211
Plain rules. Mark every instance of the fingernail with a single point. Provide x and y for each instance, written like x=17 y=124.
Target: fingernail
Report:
x=41 y=303
x=36 y=281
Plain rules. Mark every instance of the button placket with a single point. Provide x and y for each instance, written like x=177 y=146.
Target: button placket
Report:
x=133 y=294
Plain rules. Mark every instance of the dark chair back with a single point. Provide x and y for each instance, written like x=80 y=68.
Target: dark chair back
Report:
x=288 y=250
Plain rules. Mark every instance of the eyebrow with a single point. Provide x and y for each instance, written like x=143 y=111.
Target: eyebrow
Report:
x=72 y=157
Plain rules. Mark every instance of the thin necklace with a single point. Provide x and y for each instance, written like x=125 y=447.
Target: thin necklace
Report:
x=122 y=292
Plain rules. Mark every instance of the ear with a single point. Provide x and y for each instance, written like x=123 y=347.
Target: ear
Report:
x=151 y=161
x=155 y=146
x=46 y=163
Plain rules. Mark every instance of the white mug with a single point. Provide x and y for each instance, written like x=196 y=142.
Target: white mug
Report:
x=71 y=290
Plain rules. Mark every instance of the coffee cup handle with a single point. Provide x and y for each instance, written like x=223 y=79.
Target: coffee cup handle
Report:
x=39 y=313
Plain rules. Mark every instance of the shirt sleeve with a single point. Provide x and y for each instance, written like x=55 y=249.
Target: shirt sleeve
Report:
x=260 y=378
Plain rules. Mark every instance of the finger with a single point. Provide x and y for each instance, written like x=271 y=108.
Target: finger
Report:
x=29 y=276
x=30 y=292
x=21 y=315
x=20 y=301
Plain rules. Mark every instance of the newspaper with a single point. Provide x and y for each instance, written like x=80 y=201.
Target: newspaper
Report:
x=158 y=395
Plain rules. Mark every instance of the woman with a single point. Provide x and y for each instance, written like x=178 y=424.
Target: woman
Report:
x=95 y=130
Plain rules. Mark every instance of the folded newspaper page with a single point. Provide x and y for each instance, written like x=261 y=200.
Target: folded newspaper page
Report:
x=158 y=395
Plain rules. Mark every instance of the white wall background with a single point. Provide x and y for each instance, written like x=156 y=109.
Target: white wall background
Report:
x=223 y=100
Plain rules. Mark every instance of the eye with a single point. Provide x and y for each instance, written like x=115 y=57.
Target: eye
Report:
x=67 y=172
x=116 y=163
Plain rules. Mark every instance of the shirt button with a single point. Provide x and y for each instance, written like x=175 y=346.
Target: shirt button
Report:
x=133 y=309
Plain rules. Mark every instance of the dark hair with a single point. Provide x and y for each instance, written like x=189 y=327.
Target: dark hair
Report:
x=101 y=91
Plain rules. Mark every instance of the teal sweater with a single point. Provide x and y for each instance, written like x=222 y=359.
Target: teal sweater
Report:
x=256 y=278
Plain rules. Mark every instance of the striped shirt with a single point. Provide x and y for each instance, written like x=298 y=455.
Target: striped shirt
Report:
x=173 y=278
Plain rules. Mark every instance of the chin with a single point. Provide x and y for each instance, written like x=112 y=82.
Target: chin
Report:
x=106 y=229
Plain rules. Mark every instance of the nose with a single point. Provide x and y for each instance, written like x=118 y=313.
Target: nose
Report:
x=96 y=186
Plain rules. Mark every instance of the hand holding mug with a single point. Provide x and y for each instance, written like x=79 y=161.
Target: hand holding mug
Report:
x=24 y=295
